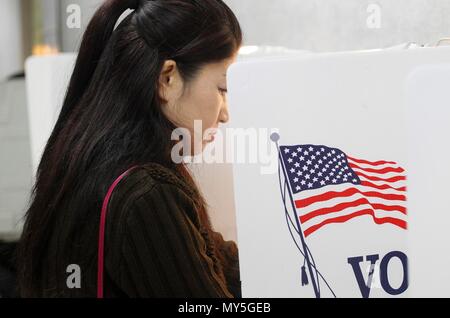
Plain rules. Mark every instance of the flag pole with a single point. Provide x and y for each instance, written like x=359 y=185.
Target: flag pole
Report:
x=275 y=137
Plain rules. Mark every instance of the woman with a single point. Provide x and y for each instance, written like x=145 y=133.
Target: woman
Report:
x=159 y=69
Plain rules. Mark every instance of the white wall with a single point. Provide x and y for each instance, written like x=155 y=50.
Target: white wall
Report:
x=322 y=25
x=336 y=25
x=71 y=37
x=10 y=38
x=15 y=160
x=15 y=156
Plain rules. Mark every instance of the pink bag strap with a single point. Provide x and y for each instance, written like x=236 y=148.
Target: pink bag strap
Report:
x=101 y=238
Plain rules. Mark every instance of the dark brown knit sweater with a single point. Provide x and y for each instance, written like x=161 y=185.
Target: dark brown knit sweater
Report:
x=156 y=245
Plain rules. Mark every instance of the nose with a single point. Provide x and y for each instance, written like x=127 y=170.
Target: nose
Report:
x=224 y=114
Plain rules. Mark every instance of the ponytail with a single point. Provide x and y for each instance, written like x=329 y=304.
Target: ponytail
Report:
x=95 y=39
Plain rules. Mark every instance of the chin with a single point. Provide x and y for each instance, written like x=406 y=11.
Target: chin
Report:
x=200 y=148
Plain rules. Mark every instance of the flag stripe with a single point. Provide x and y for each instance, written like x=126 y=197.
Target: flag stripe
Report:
x=380 y=171
x=392 y=179
x=378 y=213
x=342 y=206
x=335 y=201
x=342 y=187
x=342 y=219
x=363 y=166
x=346 y=193
x=375 y=163
x=381 y=186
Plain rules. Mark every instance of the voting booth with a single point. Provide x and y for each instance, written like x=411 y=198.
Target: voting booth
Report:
x=47 y=78
x=328 y=216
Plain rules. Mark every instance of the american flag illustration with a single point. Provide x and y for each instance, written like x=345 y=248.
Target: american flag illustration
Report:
x=330 y=187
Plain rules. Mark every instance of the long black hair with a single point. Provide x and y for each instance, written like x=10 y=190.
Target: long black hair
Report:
x=111 y=117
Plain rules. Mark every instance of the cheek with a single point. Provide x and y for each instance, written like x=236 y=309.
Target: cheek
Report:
x=207 y=108
x=213 y=109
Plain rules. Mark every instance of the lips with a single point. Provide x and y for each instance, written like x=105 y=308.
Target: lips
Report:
x=212 y=136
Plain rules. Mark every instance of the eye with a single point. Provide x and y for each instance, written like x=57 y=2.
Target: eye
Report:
x=223 y=91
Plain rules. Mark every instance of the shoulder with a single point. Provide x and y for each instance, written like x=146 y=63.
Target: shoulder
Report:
x=147 y=179
x=152 y=188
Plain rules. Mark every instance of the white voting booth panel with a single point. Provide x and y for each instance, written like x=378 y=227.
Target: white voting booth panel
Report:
x=47 y=79
x=428 y=121
x=346 y=107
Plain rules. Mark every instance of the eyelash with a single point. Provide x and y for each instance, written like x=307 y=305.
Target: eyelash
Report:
x=223 y=91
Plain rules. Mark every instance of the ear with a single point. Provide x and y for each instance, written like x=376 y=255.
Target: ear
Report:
x=168 y=81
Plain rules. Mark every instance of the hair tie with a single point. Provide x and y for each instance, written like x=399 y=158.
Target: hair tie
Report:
x=131 y=9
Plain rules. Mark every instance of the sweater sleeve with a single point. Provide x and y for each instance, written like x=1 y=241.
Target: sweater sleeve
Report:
x=163 y=252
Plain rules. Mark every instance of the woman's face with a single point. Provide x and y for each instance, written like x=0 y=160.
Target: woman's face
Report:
x=203 y=99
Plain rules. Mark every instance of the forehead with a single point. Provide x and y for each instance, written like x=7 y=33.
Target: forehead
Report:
x=218 y=68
